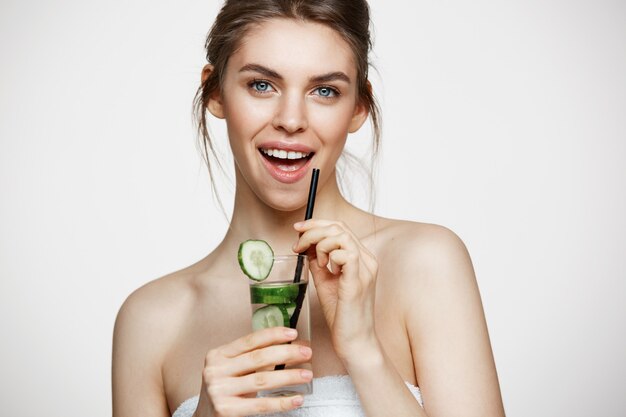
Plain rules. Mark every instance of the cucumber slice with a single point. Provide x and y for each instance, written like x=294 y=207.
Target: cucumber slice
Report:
x=256 y=259
x=270 y=316
x=275 y=294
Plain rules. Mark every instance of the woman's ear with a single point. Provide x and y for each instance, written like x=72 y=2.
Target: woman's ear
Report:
x=359 y=117
x=215 y=100
x=361 y=111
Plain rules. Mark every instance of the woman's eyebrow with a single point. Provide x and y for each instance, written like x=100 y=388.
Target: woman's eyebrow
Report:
x=270 y=73
x=331 y=76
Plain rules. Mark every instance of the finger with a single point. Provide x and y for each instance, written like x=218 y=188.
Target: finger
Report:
x=268 y=356
x=259 y=339
x=236 y=406
x=339 y=227
x=340 y=258
x=313 y=236
x=327 y=245
x=266 y=380
x=312 y=223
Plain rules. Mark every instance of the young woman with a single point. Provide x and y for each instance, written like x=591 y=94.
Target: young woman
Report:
x=395 y=304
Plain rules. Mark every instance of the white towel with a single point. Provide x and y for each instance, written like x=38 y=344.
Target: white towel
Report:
x=333 y=396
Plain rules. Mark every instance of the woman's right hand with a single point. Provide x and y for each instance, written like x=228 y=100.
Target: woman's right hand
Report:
x=234 y=372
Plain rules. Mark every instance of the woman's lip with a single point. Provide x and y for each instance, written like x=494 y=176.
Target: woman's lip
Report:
x=286 y=146
x=286 y=177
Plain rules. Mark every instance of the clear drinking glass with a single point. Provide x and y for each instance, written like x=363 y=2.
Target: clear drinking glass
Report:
x=279 y=301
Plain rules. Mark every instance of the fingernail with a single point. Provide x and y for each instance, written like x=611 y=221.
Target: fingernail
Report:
x=297 y=401
x=297 y=225
x=305 y=350
x=291 y=332
x=306 y=374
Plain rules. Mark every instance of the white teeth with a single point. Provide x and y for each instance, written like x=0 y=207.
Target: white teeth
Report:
x=283 y=154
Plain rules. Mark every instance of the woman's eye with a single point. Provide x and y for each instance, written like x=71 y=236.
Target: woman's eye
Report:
x=261 y=86
x=327 y=92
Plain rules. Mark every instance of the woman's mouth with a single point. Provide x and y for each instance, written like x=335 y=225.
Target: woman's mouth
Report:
x=286 y=165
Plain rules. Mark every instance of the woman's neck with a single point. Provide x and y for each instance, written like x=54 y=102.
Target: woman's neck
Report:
x=254 y=219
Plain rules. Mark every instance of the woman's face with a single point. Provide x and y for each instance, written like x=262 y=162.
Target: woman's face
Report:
x=289 y=98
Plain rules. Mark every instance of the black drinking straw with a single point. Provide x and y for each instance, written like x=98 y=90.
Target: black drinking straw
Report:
x=296 y=277
x=293 y=322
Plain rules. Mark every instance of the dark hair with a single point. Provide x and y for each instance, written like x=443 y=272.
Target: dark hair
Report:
x=349 y=18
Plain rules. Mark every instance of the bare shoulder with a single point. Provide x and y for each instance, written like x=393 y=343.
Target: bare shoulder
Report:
x=145 y=328
x=159 y=304
x=421 y=250
x=425 y=266
x=428 y=267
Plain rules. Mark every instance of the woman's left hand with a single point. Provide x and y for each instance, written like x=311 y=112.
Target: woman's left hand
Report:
x=344 y=272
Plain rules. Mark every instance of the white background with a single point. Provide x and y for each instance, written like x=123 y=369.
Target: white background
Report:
x=505 y=121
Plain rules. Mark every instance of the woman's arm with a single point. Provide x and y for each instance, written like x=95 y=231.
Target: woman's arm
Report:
x=381 y=388
x=434 y=285
x=346 y=291
x=137 y=354
x=445 y=322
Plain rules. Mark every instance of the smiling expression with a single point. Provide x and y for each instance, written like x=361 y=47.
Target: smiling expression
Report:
x=289 y=100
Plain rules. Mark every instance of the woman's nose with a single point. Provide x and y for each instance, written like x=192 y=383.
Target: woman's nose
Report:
x=291 y=114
